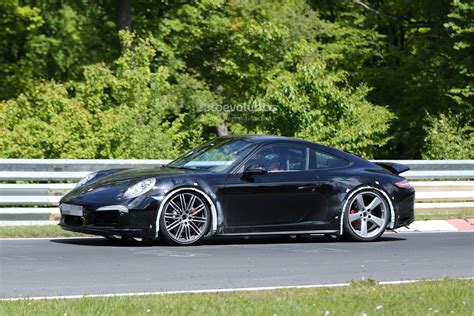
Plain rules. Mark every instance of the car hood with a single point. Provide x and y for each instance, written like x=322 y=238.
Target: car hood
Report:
x=110 y=183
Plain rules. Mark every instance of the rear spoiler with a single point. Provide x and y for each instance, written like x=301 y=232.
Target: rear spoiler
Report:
x=395 y=168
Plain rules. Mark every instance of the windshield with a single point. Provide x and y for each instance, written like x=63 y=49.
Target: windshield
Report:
x=215 y=156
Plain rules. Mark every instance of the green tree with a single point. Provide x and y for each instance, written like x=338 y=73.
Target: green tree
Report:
x=17 y=24
x=130 y=110
x=316 y=105
x=52 y=40
x=460 y=27
x=424 y=64
x=239 y=47
x=447 y=138
x=333 y=71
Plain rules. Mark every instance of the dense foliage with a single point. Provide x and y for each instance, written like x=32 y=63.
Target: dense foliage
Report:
x=90 y=79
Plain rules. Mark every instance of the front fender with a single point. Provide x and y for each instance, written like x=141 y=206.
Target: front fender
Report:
x=194 y=186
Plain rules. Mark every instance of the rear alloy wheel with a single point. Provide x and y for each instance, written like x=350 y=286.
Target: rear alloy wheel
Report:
x=185 y=219
x=366 y=216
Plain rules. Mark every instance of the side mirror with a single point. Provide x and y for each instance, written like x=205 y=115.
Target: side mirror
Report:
x=254 y=171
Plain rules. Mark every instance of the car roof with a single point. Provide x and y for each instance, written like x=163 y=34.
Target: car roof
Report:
x=259 y=139
x=265 y=138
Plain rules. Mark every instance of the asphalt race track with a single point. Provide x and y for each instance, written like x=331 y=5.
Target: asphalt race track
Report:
x=95 y=265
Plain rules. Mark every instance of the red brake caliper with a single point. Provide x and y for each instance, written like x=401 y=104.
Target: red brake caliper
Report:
x=355 y=224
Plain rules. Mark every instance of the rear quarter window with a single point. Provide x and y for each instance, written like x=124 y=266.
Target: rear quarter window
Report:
x=324 y=160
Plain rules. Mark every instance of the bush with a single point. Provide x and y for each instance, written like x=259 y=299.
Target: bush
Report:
x=128 y=110
x=317 y=105
x=448 y=138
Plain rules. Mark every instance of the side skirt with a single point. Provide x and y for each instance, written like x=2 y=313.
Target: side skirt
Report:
x=296 y=232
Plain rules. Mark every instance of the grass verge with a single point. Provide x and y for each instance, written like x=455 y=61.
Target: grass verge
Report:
x=444 y=215
x=36 y=231
x=444 y=297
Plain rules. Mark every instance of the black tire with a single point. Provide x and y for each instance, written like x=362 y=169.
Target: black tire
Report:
x=366 y=216
x=185 y=219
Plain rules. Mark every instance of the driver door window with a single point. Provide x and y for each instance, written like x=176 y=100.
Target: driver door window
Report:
x=280 y=158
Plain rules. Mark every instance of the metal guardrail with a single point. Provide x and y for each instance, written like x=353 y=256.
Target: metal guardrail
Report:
x=436 y=169
x=39 y=201
x=64 y=169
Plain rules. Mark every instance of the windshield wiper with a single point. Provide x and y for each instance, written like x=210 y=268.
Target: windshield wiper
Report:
x=180 y=167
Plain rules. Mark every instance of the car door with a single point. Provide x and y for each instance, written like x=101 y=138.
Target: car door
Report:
x=286 y=198
x=334 y=179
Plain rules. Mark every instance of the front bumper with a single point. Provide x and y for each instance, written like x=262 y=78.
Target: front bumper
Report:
x=108 y=231
x=109 y=220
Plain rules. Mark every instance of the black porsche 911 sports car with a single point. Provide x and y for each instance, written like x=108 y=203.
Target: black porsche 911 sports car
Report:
x=244 y=185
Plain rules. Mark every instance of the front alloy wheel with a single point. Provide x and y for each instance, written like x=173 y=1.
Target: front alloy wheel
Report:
x=185 y=219
x=366 y=216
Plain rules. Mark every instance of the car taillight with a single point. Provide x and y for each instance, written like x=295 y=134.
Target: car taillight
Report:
x=404 y=184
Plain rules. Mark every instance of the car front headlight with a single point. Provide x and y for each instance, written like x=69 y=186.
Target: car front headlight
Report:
x=140 y=188
x=86 y=179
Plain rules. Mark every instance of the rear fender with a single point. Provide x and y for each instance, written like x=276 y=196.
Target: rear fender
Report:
x=390 y=225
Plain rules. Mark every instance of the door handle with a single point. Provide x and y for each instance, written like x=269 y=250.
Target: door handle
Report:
x=307 y=187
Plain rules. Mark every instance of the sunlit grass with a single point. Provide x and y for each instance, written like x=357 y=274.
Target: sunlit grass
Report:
x=444 y=215
x=445 y=297
x=36 y=231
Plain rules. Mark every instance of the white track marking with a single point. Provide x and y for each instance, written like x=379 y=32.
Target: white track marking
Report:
x=433 y=225
x=48 y=238
x=243 y=289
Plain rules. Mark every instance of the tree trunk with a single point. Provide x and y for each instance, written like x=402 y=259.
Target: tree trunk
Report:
x=124 y=15
x=222 y=129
